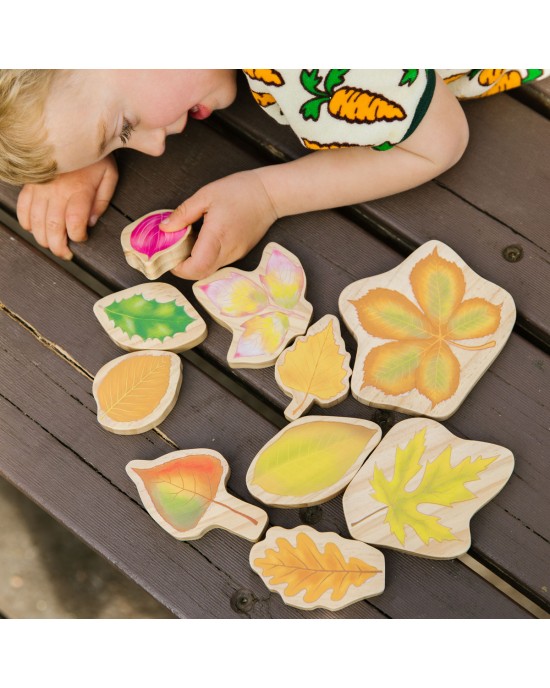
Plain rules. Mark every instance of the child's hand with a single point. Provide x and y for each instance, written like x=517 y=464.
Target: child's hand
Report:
x=237 y=213
x=67 y=205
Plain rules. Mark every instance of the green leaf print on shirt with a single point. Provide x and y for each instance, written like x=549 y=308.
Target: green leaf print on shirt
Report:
x=409 y=77
x=148 y=319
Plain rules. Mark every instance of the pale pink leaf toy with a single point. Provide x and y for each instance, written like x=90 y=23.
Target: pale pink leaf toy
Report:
x=150 y=250
x=264 y=309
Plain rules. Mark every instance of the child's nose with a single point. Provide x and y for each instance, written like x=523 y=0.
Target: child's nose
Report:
x=151 y=142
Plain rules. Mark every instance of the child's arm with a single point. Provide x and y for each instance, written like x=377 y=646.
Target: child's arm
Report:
x=67 y=205
x=239 y=209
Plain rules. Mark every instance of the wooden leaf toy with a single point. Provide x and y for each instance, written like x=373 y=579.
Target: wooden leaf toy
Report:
x=311 y=460
x=150 y=250
x=153 y=315
x=264 y=309
x=184 y=491
x=310 y=569
x=315 y=368
x=426 y=332
x=420 y=488
x=136 y=392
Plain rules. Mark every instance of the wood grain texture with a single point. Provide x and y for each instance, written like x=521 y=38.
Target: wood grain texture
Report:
x=263 y=309
x=152 y=258
x=311 y=569
x=311 y=460
x=180 y=329
x=315 y=368
x=185 y=493
x=426 y=332
x=31 y=379
x=420 y=488
x=134 y=393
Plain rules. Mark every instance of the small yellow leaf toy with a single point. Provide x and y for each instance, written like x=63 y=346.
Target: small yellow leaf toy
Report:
x=426 y=332
x=136 y=392
x=311 y=460
x=420 y=488
x=311 y=569
x=315 y=368
x=264 y=309
x=185 y=493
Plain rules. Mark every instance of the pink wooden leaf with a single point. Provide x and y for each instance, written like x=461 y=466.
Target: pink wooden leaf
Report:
x=283 y=279
x=235 y=295
x=149 y=239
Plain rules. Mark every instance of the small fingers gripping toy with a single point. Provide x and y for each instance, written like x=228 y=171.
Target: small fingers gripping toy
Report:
x=150 y=250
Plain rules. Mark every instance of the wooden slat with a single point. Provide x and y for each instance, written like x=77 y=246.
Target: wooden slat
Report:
x=37 y=383
x=536 y=95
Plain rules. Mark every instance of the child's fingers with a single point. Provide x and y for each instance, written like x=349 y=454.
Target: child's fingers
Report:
x=104 y=193
x=38 y=212
x=56 y=233
x=185 y=214
x=77 y=214
x=24 y=201
x=204 y=258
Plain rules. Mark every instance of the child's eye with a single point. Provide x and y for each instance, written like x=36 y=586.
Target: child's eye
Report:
x=126 y=132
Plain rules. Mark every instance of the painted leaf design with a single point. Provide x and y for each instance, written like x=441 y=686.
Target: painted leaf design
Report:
x=441 y=484
x=315 y=368
x=306 y=568
x=283 y=279
x=236 y=295
x=148 y=319
x=149 y=239
x=182 y=490
x=421 y=357
x=273 y=293
x=134 y=387
x=305 y=458
x=262 y=334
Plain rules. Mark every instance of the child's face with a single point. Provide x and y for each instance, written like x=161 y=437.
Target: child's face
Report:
x=92 y=112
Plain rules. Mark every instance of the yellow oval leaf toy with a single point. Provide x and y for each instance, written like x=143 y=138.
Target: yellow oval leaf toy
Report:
x=315 y=368
x=311 y=569
x=311 y=460
x=420 y=488
x=136 y=392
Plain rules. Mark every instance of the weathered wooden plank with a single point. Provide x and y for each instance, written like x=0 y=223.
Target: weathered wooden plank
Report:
x=536 y=95
x=45 y=390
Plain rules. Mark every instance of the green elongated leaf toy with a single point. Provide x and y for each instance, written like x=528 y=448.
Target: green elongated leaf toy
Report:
x=150 y=316
x=148 y=319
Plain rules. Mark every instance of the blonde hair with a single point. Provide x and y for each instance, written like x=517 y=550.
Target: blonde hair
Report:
x=25 y=156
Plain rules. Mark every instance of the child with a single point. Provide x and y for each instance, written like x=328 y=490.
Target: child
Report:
x=374 y=133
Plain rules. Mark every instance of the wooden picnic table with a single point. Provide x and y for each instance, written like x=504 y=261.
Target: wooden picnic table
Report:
x=492 y=208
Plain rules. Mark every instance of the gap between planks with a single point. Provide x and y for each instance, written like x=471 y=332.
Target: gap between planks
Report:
x=238 y=390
